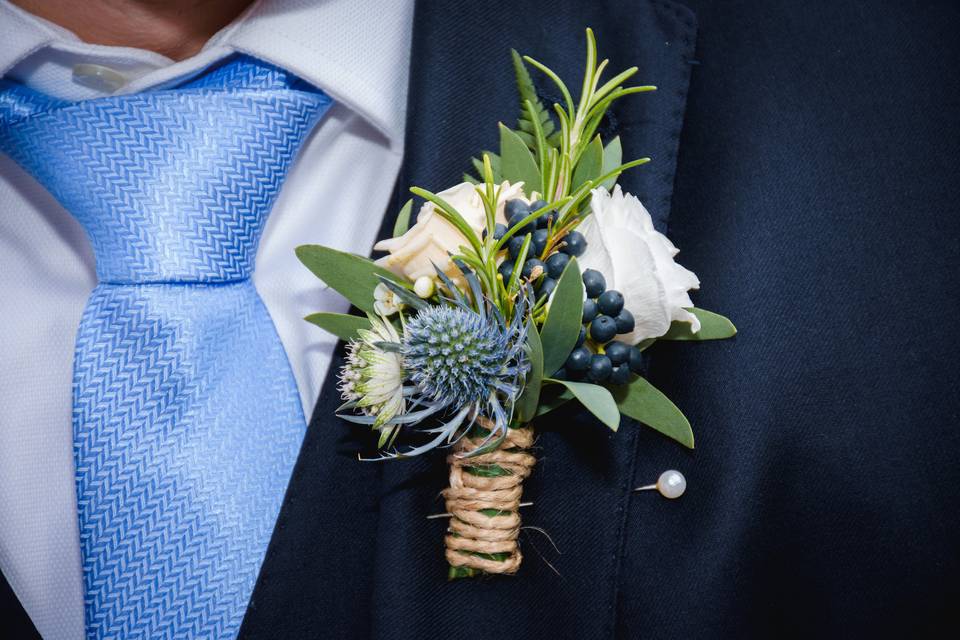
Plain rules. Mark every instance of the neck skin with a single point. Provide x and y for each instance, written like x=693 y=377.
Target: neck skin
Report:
x=176 y=29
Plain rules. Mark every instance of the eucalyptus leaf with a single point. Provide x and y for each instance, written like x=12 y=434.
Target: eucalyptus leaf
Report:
x=552 y=400
x=516 y=161
x=612 y=158
x=403 y=219
x=596 y=399
x=561 y=329
x=590 y=165
x=526 y=406
x=713 y=326
x=643 y=402
x=342 y=325
x=353 y=277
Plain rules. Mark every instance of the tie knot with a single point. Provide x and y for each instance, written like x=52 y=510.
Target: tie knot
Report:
x=171 y=185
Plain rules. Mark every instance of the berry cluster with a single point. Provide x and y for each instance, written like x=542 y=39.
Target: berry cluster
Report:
x=597 y=356
x=542 y=272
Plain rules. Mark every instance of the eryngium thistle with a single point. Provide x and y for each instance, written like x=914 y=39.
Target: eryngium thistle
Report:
x=467 y=365
x=461 y=364
x=457 y=357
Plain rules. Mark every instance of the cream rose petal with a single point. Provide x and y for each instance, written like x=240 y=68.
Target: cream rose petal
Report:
x=432 y=239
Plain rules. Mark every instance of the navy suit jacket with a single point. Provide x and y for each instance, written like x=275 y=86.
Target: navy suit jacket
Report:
x=805 y=160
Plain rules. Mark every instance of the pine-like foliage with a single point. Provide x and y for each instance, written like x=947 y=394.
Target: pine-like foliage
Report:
x=527 y=91
x=525 y=125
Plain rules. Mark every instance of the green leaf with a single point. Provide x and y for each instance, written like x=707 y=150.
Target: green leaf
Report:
x=353 y=277
x=516 y=161
x=596 y=399
x=527 y=404
x=494 y=164
x=562 y=326
x=590 y=165
x=342 y=325
x=403 y=219
x=612 y=157
x=642 y=401
x=713 y=326
x=550 y=401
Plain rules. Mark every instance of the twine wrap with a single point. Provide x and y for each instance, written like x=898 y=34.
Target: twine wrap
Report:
x=494 y=481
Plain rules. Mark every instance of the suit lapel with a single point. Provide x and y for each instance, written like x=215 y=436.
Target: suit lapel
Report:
x=353 y=554
x=461 y=86
x=16 y=622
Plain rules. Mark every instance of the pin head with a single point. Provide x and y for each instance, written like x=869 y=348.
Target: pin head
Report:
x=671 y=484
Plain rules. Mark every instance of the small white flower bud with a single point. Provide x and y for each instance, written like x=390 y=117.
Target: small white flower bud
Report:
x=424 y=286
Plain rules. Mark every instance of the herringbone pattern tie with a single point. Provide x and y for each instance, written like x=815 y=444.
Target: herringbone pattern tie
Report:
x=186 y=416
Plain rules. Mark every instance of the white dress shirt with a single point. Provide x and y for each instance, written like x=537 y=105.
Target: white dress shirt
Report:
x=336 y=193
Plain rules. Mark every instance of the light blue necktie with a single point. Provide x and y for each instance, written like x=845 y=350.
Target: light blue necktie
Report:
x=186 y=416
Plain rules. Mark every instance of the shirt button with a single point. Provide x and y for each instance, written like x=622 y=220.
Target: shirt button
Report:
x=98 y=77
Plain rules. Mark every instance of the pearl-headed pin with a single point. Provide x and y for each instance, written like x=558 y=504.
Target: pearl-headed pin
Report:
x=671 y=484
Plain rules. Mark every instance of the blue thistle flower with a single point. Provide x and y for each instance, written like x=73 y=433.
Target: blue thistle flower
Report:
x=468 y=363
x=462 y=363
x=455 y=355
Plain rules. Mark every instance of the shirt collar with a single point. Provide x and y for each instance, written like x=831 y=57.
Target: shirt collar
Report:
x=358 y=51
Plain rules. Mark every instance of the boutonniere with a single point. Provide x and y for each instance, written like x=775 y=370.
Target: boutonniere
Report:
x=534 y=283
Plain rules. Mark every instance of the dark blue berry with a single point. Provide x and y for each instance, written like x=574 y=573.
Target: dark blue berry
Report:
x=618 y=352
x=539 y=242
x=636 y=360
x=589 y=310
x=575 y=243
x=537 y=204
x=498 y=231
x=514 y=245
x=560 y=374
x=602 y=329
x=576 y=376
x=583 y=336
x=506 y=270
x=594 y=282
x=516 y=220
x=625 y=323
x=547 y=286
x=547 y=219
x=578 y=360
x=529 y=266
x=620 y=374
x=610 y=302
x=556 y=264
x=516 y=207
x=600 y=368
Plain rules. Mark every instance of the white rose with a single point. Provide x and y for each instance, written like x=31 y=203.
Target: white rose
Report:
x=432 y=238
x=637 y=261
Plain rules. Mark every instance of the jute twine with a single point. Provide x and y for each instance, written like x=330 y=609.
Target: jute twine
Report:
x=472 y=531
